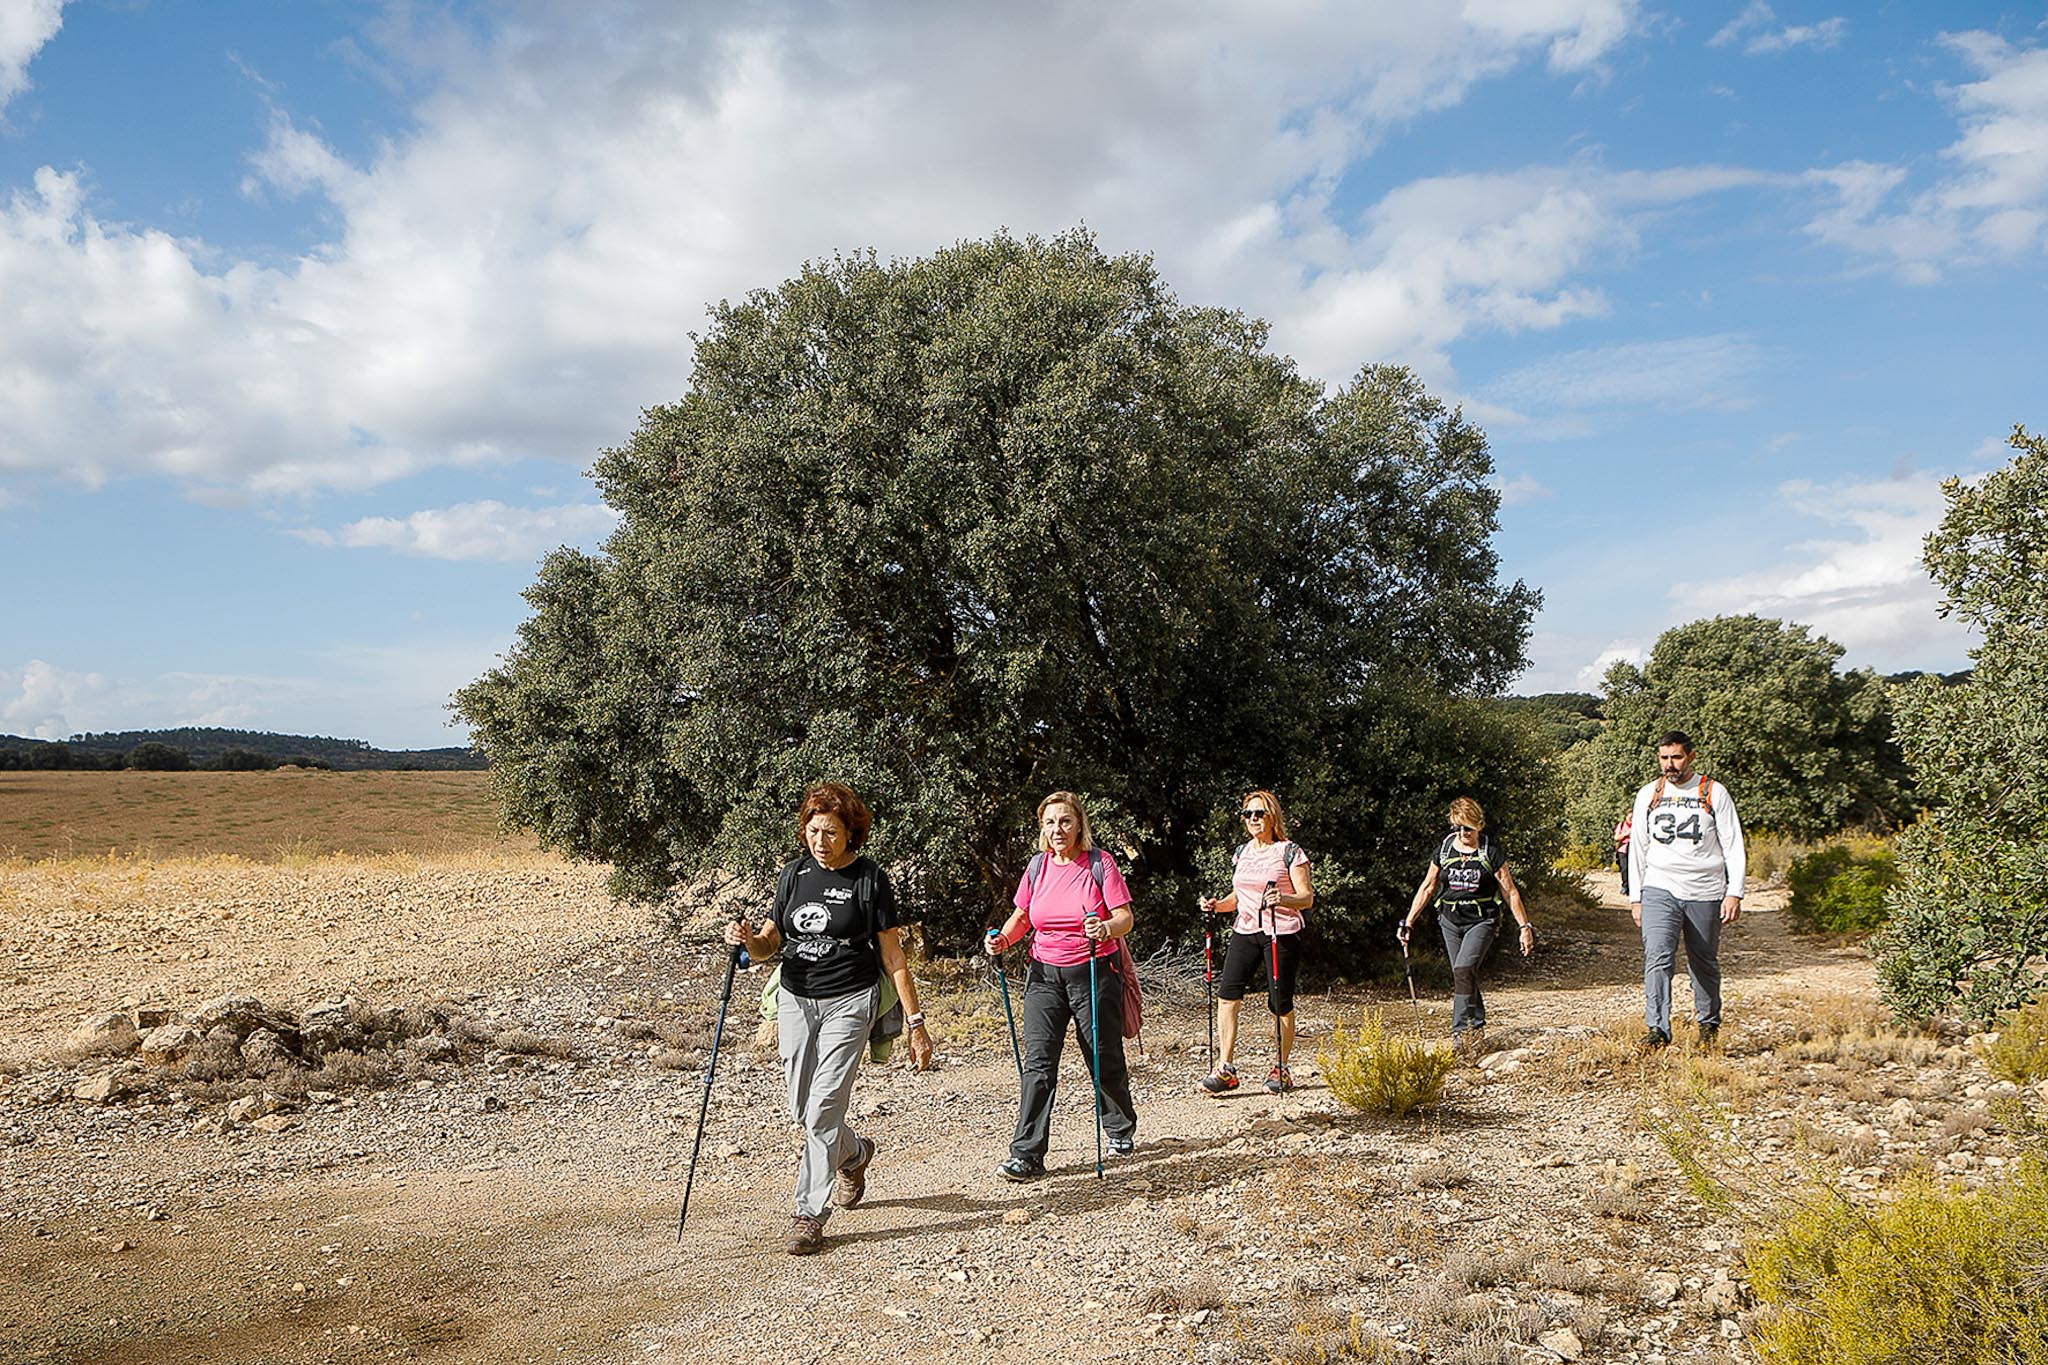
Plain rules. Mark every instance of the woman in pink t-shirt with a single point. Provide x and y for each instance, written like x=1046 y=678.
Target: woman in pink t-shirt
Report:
x=1270 y=891
x=1073 y=902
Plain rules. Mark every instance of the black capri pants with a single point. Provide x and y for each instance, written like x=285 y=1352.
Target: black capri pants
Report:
x=1247 y=955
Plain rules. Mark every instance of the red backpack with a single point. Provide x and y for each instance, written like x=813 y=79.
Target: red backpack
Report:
x=1124 y=964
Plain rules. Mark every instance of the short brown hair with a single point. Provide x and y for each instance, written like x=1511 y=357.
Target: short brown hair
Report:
x=1073 y=801
x=838 y=800
x=1465 y=811
x=1279 y=816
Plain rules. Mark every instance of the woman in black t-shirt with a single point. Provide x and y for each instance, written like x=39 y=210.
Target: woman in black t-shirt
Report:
x=835 y=922
x=1471 y=871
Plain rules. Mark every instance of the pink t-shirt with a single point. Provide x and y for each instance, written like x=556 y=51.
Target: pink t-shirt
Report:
x=1066 y=894
x=1258 y=864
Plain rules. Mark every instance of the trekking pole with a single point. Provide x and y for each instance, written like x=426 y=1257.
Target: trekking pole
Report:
x=1209 y=977
x=732 y=963
x=1004 y=978
x=1408 y=966
x=1095 y=1044
x=1279 y=1061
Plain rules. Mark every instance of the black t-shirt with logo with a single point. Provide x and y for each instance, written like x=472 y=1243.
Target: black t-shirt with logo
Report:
x=1470 y=884
x=828 y=920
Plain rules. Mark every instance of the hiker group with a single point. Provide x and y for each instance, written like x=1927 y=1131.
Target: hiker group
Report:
x=845 y=986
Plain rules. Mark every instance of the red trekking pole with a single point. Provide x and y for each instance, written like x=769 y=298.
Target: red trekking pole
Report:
x=1279 y=1056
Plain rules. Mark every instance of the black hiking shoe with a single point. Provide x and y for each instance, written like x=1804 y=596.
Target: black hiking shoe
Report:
x=1122 y=1146
x=1018 y=1169
x=1653 y=1039
x=1221 y=1081
x=1710 y=1034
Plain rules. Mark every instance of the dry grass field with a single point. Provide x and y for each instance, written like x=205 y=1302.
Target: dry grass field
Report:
x=280 y=816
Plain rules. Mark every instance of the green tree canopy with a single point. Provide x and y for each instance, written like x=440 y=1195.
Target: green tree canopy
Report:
x=1805 y=749
x=1969 y=917
x=965 y=529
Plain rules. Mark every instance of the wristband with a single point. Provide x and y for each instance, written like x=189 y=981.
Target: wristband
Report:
x=914 y=1020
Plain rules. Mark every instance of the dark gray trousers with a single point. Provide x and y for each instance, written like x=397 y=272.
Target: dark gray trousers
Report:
x=1467 y=945
x=1667 y=921
x=1055 y=997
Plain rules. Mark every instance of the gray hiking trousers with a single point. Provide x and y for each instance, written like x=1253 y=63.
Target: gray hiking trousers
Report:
x=822 y=1042
x=1666 y=921
x=1467 y=946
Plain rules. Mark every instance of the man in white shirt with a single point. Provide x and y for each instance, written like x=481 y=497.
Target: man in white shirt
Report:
x=1687 y=860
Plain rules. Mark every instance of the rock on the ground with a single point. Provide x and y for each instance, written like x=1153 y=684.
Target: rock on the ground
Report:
x=109 y=1032
x=263 y=1051
x=1563 y=1343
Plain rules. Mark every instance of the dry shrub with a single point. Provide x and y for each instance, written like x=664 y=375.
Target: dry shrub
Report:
x=1769 y=853
x=1382 y=1073
x=1851 y=1149
x=1584 y=858
x=1570 y=1276
x=345 y=1069
x=1939 y=1274
x=1202 y=1291
x=1962 y=1122
x=2020 y=1051
x=1615 y=1201
x=1483 y=1270
x=526 y=1043
x=1441 y=1175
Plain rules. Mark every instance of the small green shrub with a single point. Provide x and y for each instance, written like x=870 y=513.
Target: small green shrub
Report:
x=2020 y=1054
x=1841 y=889
x=1383 y=1073
x=1768 y=852
x=1584 y=858
x=1940 y=1276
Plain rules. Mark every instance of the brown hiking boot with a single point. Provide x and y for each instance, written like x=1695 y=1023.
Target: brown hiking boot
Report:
x=851 y=1184
x=806 y=1235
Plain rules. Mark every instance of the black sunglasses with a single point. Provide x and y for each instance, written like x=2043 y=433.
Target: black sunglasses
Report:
x=1254 y=814
x=1464 y=829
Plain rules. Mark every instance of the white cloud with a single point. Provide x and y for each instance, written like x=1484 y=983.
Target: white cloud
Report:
x=1593 y=676
x=1865 y=587
x=392 y=693
x=25 y=26
x=1682 y=374
x=37 y=698
x=1525 y=488
x=475 y=530
x=517 y=275
x=1992 y=206
x=1767 y=37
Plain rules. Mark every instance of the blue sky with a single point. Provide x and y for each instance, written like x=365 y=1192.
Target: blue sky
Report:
x=313 y=315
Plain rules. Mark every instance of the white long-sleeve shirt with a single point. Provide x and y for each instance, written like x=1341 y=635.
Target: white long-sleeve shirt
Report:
x=1681 y=849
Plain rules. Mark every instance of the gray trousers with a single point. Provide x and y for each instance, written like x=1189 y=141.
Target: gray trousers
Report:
x=1667 y=920
x=1467 y=945
x=1055 y=999
x=822 y=1042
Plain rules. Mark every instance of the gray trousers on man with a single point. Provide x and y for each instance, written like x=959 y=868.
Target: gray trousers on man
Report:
x=1667 y=920
x=1467 y=945
x=822 y=1042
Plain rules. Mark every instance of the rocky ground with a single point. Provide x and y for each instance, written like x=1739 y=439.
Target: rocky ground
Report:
x=400 y=1109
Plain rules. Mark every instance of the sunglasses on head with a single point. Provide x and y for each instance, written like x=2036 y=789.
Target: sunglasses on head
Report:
x=1254 y=814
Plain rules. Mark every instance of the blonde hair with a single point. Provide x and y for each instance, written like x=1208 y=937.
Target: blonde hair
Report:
x=1073 y=802
x=1465 y=811
x=1277 y=816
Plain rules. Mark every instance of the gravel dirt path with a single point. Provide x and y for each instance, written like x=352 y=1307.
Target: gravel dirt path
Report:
x=519 y=1203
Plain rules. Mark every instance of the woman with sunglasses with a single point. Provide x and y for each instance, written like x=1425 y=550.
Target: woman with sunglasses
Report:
x=1270 y=892
x=1472 y=873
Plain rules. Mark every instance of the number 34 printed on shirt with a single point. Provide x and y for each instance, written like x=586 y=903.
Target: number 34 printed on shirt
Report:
x=1666 y=828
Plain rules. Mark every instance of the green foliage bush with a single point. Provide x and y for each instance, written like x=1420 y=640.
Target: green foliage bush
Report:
x=1841 y=888
x=1585 y=858
x=1939 y=1276
x=1381 y=1072
x=151 y=756
x=2020 y=1053
x=1969 y=917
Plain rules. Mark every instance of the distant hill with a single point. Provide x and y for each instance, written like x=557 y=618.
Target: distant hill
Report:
x=206 y=747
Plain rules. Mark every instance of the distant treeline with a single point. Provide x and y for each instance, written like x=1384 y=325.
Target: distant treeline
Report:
x=222 y=751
